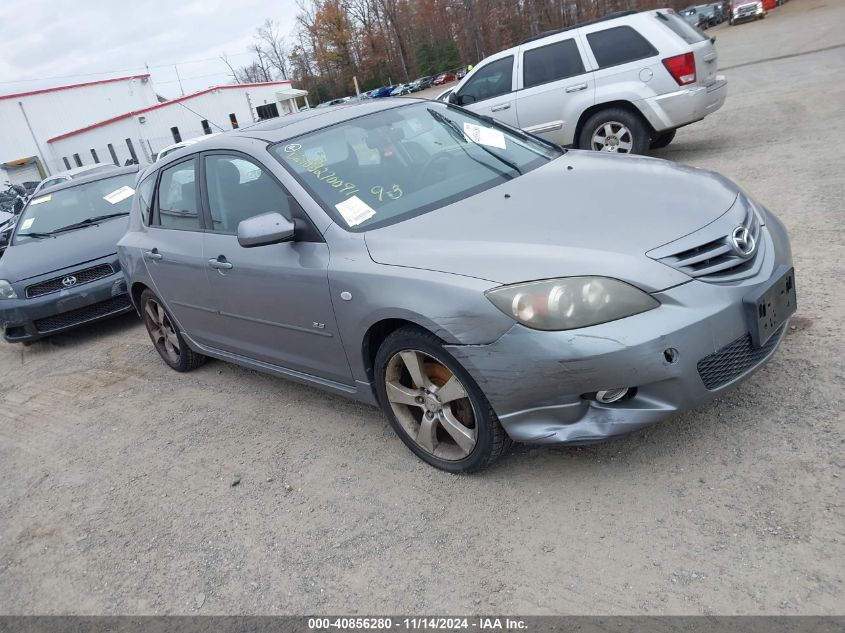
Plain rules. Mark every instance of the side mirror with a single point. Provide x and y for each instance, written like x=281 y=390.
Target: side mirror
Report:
x=265 y=229
x=453 y=99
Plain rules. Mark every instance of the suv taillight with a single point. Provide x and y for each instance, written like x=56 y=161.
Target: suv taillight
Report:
x=682 y=68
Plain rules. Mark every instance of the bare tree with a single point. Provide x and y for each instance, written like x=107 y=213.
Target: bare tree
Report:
x=232 y=70
x=275 y=48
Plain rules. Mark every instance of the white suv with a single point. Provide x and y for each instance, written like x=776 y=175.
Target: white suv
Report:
x=620 y=84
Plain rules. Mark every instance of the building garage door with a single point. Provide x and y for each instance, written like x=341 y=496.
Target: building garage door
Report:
x=22 y=171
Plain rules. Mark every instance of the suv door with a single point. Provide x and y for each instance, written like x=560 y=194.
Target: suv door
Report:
x=555 y=88
x=172 y=249
x=273 y=301
x=625 y=61
x=489 y=90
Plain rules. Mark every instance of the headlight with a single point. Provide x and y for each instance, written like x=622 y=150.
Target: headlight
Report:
x=571 y=302
x=6 y=290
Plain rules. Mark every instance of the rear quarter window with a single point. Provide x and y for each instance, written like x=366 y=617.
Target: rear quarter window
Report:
x=619 y=45
x=552 y=62
x=681 y=27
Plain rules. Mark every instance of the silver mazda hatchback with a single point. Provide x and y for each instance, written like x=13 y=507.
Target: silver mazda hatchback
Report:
x=479 y=284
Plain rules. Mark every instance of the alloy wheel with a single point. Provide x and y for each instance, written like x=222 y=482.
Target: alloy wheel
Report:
x=431 y=405
x=612 y=136
x=161 y=330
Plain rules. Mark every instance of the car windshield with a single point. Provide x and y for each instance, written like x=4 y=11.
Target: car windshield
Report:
x=388 y=166
x=51 y=212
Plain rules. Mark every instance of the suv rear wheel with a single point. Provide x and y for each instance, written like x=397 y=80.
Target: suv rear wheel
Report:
x=615 y=130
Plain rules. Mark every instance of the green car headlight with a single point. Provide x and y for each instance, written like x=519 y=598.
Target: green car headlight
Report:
x=570 y=302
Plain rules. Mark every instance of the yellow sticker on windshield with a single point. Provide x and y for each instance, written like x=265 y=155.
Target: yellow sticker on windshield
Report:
x=46 y=198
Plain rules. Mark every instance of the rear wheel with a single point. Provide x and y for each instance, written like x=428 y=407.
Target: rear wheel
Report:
x=434 y=405
x=169 y=343
x=662 y=140
x=614 y=130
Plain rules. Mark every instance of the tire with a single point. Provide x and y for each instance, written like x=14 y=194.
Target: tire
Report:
x=163 y=334
x=662 y=140
x=411 y=410
x=636 y=139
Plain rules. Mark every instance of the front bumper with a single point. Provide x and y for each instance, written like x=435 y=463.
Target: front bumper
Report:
x=748 y=14
x=536 y=381
x=676 y=109
x=31 y=319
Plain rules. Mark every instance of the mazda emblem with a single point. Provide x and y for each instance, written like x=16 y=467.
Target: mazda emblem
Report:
x=743 y=242
x=69 y=281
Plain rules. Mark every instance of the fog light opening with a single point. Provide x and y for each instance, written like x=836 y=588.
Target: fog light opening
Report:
x=671 y=355
x=612 y=395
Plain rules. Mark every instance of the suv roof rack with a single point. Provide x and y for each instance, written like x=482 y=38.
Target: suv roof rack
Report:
x=609 y=16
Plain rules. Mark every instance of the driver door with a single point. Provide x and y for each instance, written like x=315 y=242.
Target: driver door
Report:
x=273 y=301
x=490 y=90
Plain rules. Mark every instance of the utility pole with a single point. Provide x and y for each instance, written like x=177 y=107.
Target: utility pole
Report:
x=42 y=156
x=176 y=68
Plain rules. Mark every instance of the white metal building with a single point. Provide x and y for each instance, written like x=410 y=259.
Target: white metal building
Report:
x=28 y=119
x=141 y=134
x=120 y=120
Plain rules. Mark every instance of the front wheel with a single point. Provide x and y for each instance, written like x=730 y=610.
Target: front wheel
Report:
x=615 y=130
x=434 y=405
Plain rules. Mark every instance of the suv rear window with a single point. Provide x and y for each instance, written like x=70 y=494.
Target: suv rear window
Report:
x=681 y=27
x=550 y=63
x=619 y=45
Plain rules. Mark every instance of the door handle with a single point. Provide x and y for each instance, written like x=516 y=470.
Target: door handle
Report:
x=219 y=263
x=576 y=88
x=153 y=254
x=500 y=107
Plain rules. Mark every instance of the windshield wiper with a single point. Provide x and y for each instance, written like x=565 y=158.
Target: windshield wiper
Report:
x=458 y=133
x=525 y=136
x=38 y=235
x=449 y=123
x=88 y=222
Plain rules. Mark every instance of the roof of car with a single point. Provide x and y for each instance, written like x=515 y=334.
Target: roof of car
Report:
x=117 y=171
x=291 y=125
x=281 y=128
x=77 y=170
x=609 y=16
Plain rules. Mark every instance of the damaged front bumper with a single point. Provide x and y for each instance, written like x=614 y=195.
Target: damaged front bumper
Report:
x=688 y=351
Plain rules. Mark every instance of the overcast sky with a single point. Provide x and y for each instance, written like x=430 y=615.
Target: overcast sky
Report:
x=56 y=42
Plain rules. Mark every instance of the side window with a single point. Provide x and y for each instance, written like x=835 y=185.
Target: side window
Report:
x=177 y=198
x=239 y=189
x=144 y=194
x=681 y=27
x=619 y=45
x=494 y=80
x=550 y=63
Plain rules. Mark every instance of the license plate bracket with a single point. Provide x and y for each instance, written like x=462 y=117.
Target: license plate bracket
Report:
x=769 y=307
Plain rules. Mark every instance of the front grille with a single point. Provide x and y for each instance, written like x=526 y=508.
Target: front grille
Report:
x=733 y=360
x=81 y=315
x=82 y=277
x=716 y=260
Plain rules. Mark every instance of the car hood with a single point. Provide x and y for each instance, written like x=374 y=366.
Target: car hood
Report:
x=41 y=256
x=585 y=213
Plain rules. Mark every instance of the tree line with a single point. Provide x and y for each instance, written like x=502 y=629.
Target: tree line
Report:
x=382 y=42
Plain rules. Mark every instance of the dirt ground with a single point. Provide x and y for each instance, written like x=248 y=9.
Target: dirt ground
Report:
x=116 y=473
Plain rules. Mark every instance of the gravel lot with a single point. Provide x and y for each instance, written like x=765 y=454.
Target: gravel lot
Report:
x=116 y=472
